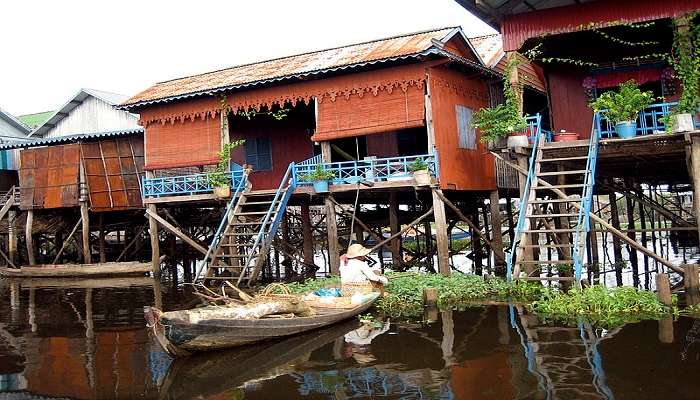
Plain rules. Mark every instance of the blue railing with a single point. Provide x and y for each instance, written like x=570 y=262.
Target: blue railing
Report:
x=264 y=236
x=534 y=127
x=373 y=170
x=523 y=209
x=185 y=185
x=240 y=187
x=583 y=221
x=648 y=121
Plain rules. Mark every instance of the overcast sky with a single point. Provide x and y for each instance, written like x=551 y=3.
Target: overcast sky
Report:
x=51 y=49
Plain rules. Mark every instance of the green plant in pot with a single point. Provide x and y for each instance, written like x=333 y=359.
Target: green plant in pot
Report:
x=685 y=60
x=220 y=178
x=622 y=107
x=319 y=177
x=504 y=120
x=421 y=174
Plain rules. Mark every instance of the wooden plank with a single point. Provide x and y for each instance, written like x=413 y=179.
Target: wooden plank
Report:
x=67 y=270
x=175 y=231
x=84 y=283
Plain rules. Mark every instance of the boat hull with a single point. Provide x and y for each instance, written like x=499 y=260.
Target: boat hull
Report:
x=77 y=270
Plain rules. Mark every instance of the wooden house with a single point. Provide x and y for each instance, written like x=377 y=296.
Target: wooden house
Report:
x=585 y=48
x=365 y=112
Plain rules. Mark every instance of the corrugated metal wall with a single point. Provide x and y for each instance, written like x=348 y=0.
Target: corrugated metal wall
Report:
x=49 y=177
x=93 y=115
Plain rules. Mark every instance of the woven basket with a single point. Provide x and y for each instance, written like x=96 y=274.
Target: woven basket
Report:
x=286 y=294
x=350 y=289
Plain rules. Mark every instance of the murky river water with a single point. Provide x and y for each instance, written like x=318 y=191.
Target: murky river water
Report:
x=92 y=343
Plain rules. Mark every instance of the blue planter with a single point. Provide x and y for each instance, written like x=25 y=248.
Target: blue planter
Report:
x=321 y=186
x=626 y=130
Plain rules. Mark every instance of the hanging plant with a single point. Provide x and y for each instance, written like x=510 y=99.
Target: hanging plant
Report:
x=504 y=119
x=220 y=177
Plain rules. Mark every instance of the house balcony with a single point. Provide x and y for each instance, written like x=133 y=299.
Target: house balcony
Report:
x=185 y=187
x=648 y=121
x=372 y=171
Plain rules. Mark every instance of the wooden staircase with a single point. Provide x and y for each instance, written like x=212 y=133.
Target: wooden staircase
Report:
x=551 y=231
x=249 y=226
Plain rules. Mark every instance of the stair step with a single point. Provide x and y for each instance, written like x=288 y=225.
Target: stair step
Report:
x=235 y=224
x=242 y=256
x=550 y=201
x=538 y=262
x=564 y=159
x=256 y=203
x=241 y=234
x=558 y=173
x=550 y=215
x=549 y=231
x=577 y=185
x=550 y=246
x=250 y=213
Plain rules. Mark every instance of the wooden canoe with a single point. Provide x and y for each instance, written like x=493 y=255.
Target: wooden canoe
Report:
x=180 y=338
x=206 y=375
x=78 y=270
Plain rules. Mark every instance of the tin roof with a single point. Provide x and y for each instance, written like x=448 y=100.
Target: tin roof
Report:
x=489 y=48
x=68 y=139
x=317 y=62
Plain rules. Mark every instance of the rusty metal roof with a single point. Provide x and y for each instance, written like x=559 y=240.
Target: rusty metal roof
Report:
x=317 y=62
x=489 y=48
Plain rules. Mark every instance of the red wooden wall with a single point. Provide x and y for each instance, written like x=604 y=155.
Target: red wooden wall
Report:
x=569 y=105
x=290 y=141
x=460 y=169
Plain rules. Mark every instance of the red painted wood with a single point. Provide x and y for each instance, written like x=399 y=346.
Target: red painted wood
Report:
x=182 y=143
x=460 y=169
x=518 y=28
x=569 y=104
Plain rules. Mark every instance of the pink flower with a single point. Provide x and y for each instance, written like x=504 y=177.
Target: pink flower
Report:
x=590 y=83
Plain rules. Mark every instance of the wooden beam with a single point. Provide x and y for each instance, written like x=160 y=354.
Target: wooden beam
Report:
x=66 y=241
x=136 y=237
x=596 y=218
x=175 y=231
x=28 y=237
x=402 y=231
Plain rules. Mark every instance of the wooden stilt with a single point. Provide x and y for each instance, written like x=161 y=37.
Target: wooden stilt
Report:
x=12 y=235
x=695 y=164
x=617 y=246
x=593 y=247
x=28 y=237
x=333 y=245
x=441 y=239
x=103 y=255
x=527 y=254
x=476 y=243
x=155 y=246
x=429 y=244
x=691 y=282
x=634 y=262
x=497 y=235
x=307 y=236
x=394 y=227
x=85 y=218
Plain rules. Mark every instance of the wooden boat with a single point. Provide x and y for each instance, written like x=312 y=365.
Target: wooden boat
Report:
x=179 y=337
x=78 y=270
x=206 y=375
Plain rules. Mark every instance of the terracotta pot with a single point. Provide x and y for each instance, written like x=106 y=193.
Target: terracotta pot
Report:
x=566 y=136
x=422 y=177
x=518 y=140
x=222 y=192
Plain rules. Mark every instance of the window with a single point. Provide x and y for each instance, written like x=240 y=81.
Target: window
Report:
x=258 y=153
x=467 y=134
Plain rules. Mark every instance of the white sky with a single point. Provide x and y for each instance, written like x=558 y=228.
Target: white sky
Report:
x=51 y=48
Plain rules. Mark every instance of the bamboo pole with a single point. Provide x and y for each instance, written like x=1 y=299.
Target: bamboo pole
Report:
x=65 y=242
x=597 y=219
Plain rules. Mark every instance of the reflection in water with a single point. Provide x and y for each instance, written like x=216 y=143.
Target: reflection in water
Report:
x=90 y=342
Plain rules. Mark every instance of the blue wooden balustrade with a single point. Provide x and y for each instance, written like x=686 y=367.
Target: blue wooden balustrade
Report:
x=372 y=170
x=648 y=121
x=184 y=185
x=534 y=128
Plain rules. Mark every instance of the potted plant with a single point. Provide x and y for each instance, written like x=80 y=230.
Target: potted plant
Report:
x=564 y=136
x=621 y=108
x=685 y=60
x=319 y=177
x=219 y=178
x=421 y=175
x=504 y=120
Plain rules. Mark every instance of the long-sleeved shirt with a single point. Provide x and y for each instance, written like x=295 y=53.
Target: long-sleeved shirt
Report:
x=357 y=271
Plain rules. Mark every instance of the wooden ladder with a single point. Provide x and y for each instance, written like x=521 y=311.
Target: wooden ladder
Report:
x=547 y=233
x=247 y=237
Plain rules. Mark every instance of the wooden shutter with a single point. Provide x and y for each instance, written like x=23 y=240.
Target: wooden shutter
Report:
x=258 y=153
x=185 y=143
x=467 y=134
x=363 y=115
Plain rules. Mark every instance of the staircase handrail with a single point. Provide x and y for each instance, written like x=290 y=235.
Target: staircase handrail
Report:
x=286 y=182
x=583 y=220
x=220 y=230
x=523 y=206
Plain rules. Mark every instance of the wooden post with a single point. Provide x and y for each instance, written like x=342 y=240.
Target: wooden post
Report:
x=497 y=234
x=307 y=234
x=617 y=246
x=663 y=289
x=441 y=239
x=634 y=262
x=332 y=228
x=396 y=259
x=28 y=237
x=430 y=309
x=12 y=235
x=695 y=164
x=476 y=240
x=428 y=244
x=155 y=246
x=593 y=246
x=85 y=218
x=691 y=282
x=527 y=254
x=103 y=255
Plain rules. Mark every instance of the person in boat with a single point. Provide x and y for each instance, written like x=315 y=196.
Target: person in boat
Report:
x=355 y=274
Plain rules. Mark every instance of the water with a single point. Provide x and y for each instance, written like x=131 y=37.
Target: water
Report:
x=92 y=343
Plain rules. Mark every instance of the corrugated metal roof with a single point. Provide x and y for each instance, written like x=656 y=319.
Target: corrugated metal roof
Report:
x=489 y=47
x=69 y=138
x=110 y=98
x=317 y=62
x=13 y=121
